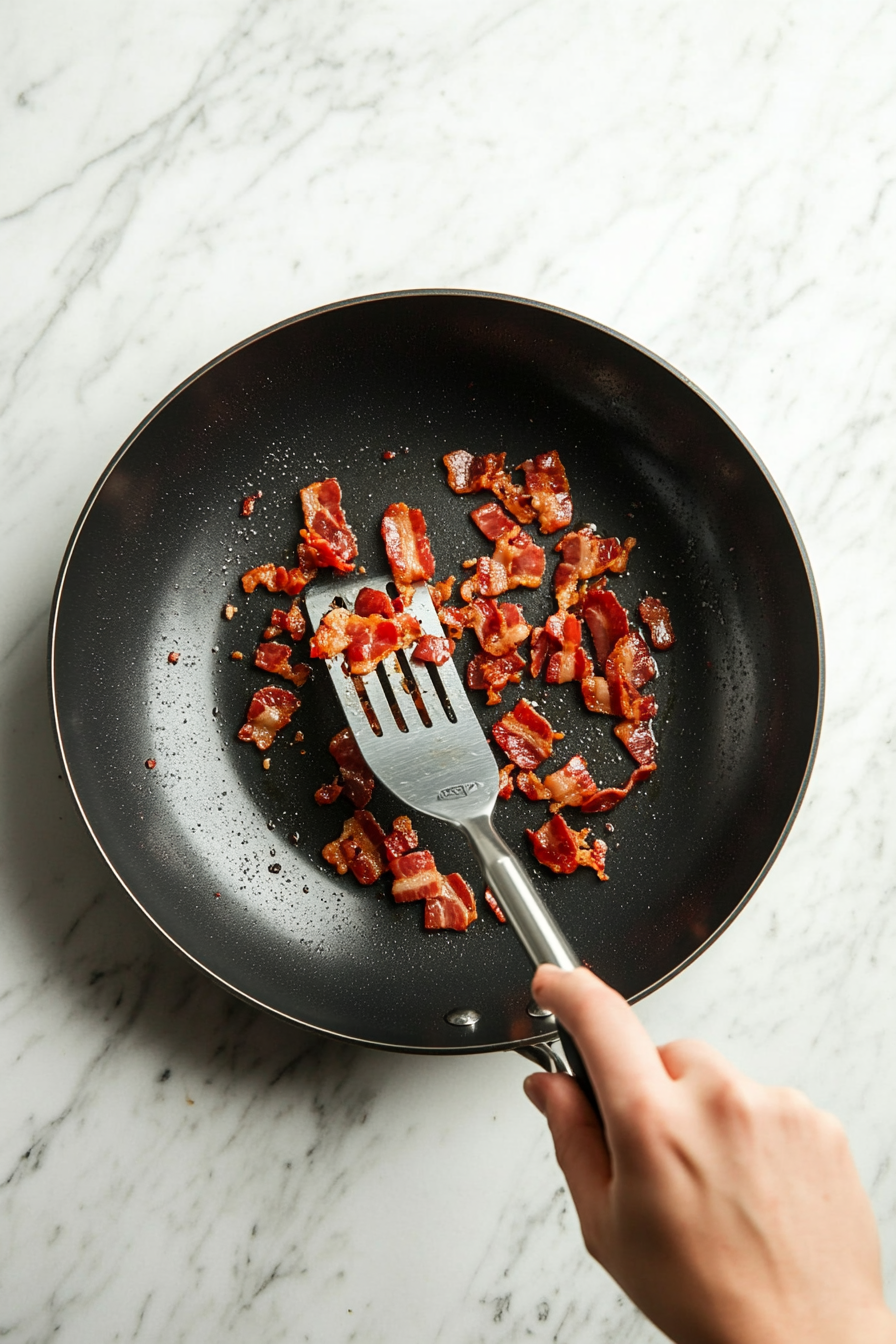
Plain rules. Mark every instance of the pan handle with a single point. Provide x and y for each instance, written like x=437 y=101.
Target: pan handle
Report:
x=528 y=916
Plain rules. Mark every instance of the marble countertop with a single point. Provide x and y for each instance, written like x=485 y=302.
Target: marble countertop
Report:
x=717 y=181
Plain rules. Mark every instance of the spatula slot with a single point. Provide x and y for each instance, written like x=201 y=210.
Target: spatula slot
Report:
x=358 y=683
x=439 y=688
x=409 y=679
x=382 y=677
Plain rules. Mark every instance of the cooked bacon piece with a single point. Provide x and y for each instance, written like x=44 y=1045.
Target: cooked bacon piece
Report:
x=488 y=673
x=328 y=793
x=628 y=666
x=407 y=545
x=516 y=563
x=570 y=662
x=326 y=530
x=359 y=848
x=585 y=556
x=492 y=521
x=525 y=736
x=499 y=628
x=354 y=773
x=373 y=602
x=493 y=905
x=571 y=785
x=637 y=737
x=468 y=474
x=275 y=658
x=596 y=694
x=657 y=619
x=433 y=649
x=248 y=505
x=606 y=619
x=401 y=839
x=563 y=850
x=505 y=781
x=602 y=800
x=547 y=484
x=292 y=621
x=441 y=592
x=540 y=647
x=453 y=908
x=276 y=578
x=366 y=639
x=416 y=876
x=532 y=787
x=270 y=709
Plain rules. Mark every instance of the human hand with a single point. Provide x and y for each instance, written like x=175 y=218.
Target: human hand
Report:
x=729 y=1212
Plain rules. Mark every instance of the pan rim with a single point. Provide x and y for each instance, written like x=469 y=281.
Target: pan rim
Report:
x=470 y=1047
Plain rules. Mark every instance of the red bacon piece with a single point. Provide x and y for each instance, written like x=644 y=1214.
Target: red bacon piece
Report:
x=373 y=602
x=530 y=785
x=658 y=621
x=326 y=530
x=505 y=781
x=525 y=736
x=499 y=628
x=355 y=774
x=433 y=649
x=564 y=850
x=596 y=694
x=570 y=661
x=585 y=556
x=441 y=592
x=407 y=545
x=516 y=563
x=571 y=785
x=540 y=646
x=602 y=800
x=416 y=876
x=270 y=709
x=547 y=484
x=492 y=521
x=637 y=737
x=401 y=839
x=606 y=618
x=468 y=474
x=276 y=578
x=628 y=666
x=453 y=908
x=488 y=673
x=359 y=848
x=275 y=658
x=366 y=640
x=327 y=793
x=493 y=905
x=248 y=505
x=292 y=621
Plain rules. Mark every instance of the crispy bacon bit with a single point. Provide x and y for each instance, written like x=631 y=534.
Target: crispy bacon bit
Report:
x=248 y=506
x=433 y=649
x=596 y=694
x=529 y=784
x=401 y=839
x=637 y=737
x=441 y=592
x=174 y=657
x=270 y=709
x=585 y=556
x=505 y=782
x=571 y=785
x=292 y=621
x=275 y=658
x=407 y=545
x=388 y=455
x=516 y=563
x=547 y=484
x=658 y=621
x=499 y=628
x=355 y=774
x=485 y=672
x=229 y=611
x=606 y=619
x=150 y=764
x=359 y=848
x=540 y=647
x=236 y=656
x=602 y=800
x=492 y=521
x=453 y=908
x=493 y=905
x=563 y=850
x=628 y=666
x=277 y=579
x=468 y=474
x=366 y=639
x=373 y=602
x=328 y=793
x=326 y=530
x=416 y=876
x=525 y=736
x=570 y=661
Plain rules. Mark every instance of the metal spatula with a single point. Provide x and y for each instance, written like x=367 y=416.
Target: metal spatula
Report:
x=418 y=733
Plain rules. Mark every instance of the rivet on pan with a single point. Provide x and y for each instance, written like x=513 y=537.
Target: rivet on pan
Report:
x=535 y=1010
x=462 y=1017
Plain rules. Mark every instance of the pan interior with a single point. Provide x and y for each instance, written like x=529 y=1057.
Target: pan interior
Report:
x=161 y=549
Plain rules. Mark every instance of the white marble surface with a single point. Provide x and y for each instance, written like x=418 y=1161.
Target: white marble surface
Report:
x=717 y=181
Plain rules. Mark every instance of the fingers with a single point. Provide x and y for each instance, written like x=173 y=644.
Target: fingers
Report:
x=579 y=1145
x=621 y=1059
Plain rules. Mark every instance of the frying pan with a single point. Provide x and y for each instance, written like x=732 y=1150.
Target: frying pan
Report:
x=225 y=857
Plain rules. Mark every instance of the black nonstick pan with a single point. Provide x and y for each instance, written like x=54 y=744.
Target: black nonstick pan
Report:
x=225 y=857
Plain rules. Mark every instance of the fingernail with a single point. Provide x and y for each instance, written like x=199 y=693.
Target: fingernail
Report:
x=532 y=1092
